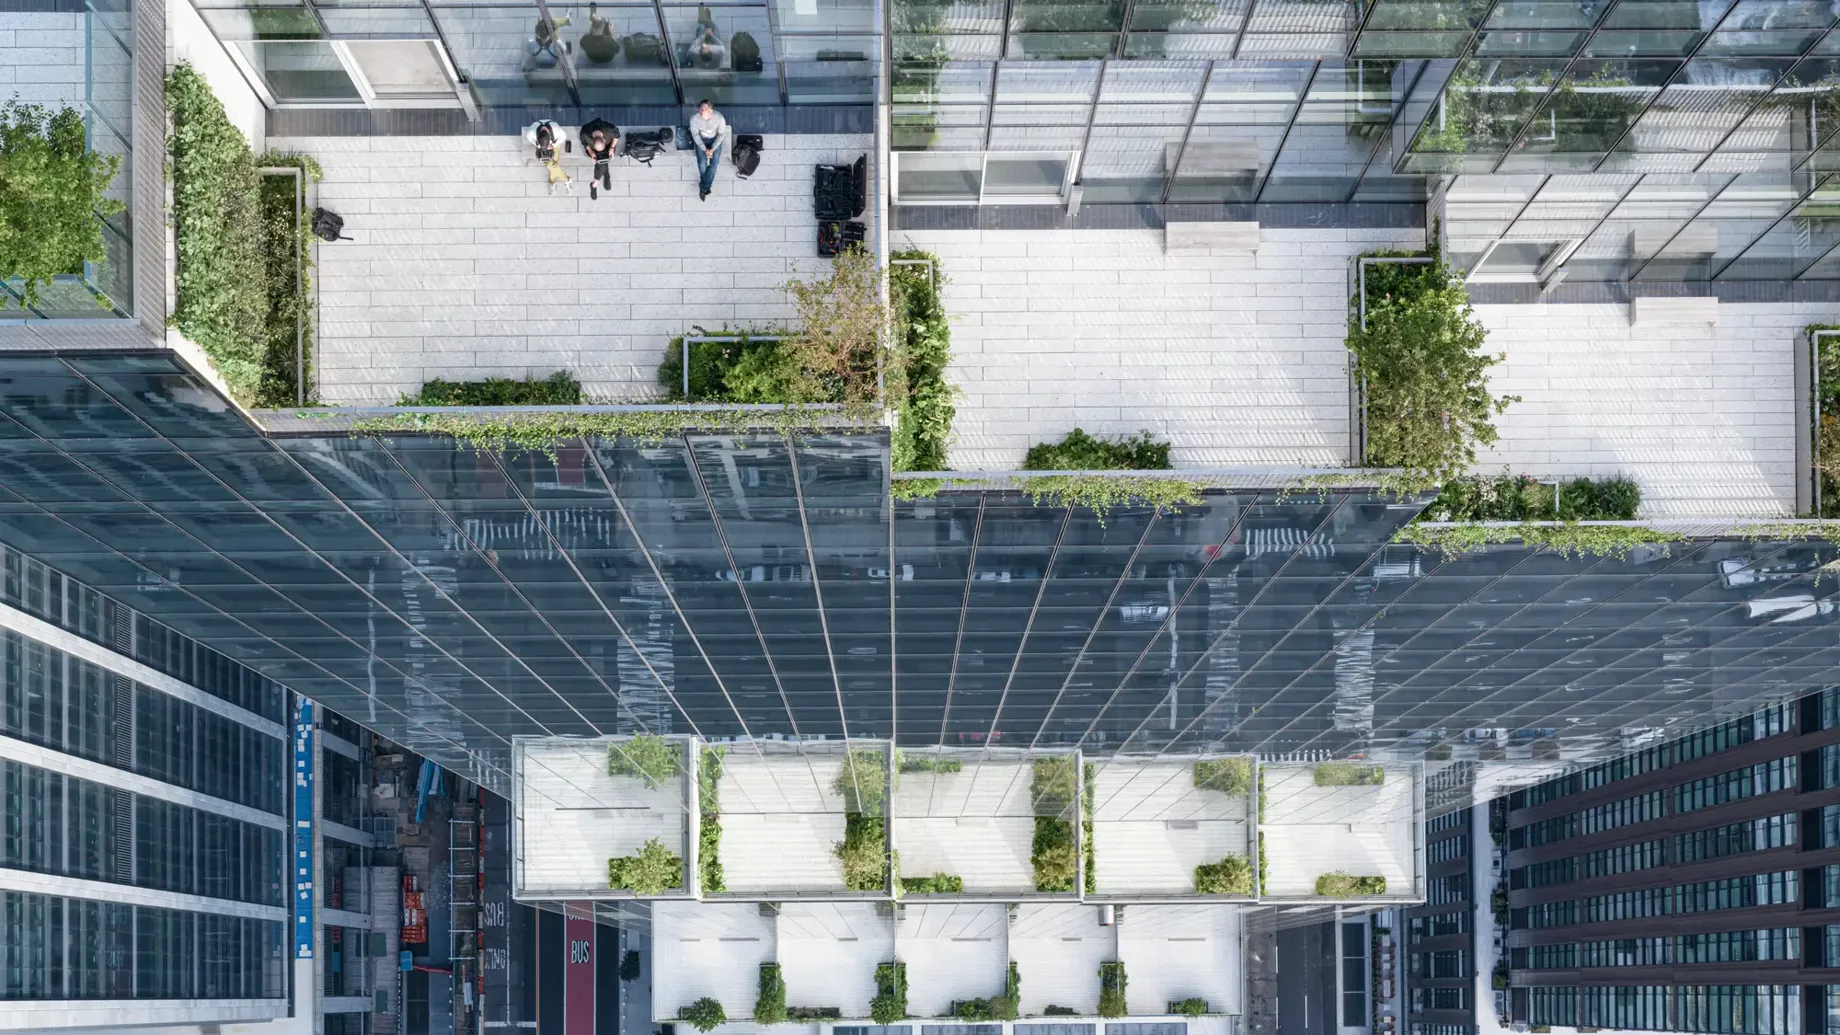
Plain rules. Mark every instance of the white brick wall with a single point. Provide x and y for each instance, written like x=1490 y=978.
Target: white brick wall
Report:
x=461 y=267
x=1236 y=359
x=1703 y=418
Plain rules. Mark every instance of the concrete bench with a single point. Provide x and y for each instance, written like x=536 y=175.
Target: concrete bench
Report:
x=1210 y=238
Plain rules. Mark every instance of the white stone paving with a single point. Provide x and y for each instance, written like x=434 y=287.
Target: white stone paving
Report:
x=1171 y=953
x=41 y=58
x=952 y=952
x=1236 y=359
x=462 y=267
x=1152 y=826
x=573 y=816
x=1362 y=831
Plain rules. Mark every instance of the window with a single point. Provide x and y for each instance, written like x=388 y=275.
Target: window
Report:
x=1447 y=849
x=1643 y=1007
x=1749 y=836
x=1626 y=952
x=1639 y=809
x=1740 y=892
x=1551 y=1004
x=1457 y=820
x=1549 y=873
x=1762 y=778
x=1621 y=859
x=1552 y=914
x=1739 y=1009
x=1439 y=925
x=1626 y=905
x=111 y=951
x=1563 y=956
x=1551 y=790
x=1444 y=891
x=1547 y=831
x=1780 y=943
x=1447 y=963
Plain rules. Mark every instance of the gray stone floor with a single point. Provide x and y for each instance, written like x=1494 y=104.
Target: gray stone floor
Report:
x=41 y=57
x=462 y=266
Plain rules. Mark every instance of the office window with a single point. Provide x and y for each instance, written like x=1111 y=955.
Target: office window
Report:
x=1626 y=905
x=1780 y=943
x=1445 y=963
x=1551 y=872
x=1439 y=924
x=1444 y=891
x=1760 y=889
x=1551 y=790
x=110 y=951
x=1447 y=849
x=1643 y=1007
x=1762 y=778
x=1550 y=1005
x=1547 y=831
x=1749 y=836
x=1553 y=957
x=1626 y=952
x=1458 y=820
x=1739 y=1009
x=1552 y=914
x=1638 y=809
x=1621 y=859
x=1440 y=999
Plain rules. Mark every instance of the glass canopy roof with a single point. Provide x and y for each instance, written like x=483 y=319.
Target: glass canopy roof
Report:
x=727 y=586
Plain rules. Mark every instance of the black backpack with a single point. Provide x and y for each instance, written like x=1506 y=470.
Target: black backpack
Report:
x=841 y=191
x=744 y=53
x=328 y=226
x=747 y=154
x=644 y=147
x=642 y=47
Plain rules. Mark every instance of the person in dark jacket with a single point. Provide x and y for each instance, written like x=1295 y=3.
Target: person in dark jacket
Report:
x=599 y=138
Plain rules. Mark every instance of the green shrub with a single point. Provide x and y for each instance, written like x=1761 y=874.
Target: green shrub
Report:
x=1053 y=854
x=1082 y=452
x=814 y=1013
x=1012 y=985
x=937 y=884
x=1345 y=885
x=650 y=758
x=1420 y=356
x=704 y=1014
x=890 y=1002
x=862 y=782
x=53 y=196
x=1349 y=774
x=1111 y=990
x=1229 y=876
x=996 y=1008
x=655 y=870
x=558 y=389
x=709 y=781
x=709 y=835
x=930 y=764
x=1264 y=868
x=221 y=304
x=923 y=341
x=1052 y=785
x=743 y=370
x=1091 y=864
x=1194 y=1006
x=770 y=1002
x=287 y=240
x=1226 y=775
x=1519 y=497
x=863 y=852
x=1052 y=1010
x=630 y=967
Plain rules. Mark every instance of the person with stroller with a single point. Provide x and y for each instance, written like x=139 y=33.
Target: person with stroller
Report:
x=599 y=138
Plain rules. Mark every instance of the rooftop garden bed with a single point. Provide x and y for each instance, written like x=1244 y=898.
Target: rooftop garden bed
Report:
x=558 y=389
x=655 y=870
x=52 y=210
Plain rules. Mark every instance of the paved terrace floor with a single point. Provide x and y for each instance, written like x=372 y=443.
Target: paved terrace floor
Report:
x=462 y=266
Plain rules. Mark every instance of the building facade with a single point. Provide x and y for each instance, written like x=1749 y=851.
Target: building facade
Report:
x=1688 y=886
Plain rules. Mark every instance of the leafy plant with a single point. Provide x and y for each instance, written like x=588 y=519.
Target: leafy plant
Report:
x=1052 y=1010
x=1194 y=1006
x=1111 y=990
x=1349 y=774
x=923 y=350
x=841 y=319
x=1229 y=876
x=543 y=431
x=1100 y=493
x=1341 y=884
x=1226 y=775
x=1086 y=830
x=937 y=884
x=996 y=1008
x=704 y=1014
x=890 y=1002
x=929 y=764
x=1053 y=854
x=750 y=367
x=287 y=260
x=650 y=758
x=653 y=871
x=1420 y=357
x=709 y=873
x=1567 y=540
x=217 y=232
x=814 y=1013
x=770 y=1002
x=558 y=389
x=1082 y=452
x=1521 y=497
x=1264 y=867
x=862 y=782
x=1052 y=785
x=863 y=852
x=52 y=196
x=630 y=966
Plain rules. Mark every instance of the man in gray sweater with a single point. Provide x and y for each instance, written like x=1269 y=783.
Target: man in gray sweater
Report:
x=708 y=131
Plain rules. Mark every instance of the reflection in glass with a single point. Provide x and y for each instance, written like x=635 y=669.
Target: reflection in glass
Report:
x=300 y=71
x=1795 y=243
x=1741 y=212
x=1593 y=108
x=939 y=176
x=1485 y=105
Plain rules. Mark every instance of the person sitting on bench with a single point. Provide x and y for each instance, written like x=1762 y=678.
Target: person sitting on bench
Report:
x=599 y=139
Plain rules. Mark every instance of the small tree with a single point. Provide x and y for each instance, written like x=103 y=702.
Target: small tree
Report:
x=1194 y=1006
x=704 y=1014
x=862 y=783
x=650 y=758
x=890 y=1002
x=653 y=871
x=51 y=195
x=1111 y=990
x=629 y=965
x=1229 y=876
x=842 y=319
x=1420 y=355
x=770 y=1002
